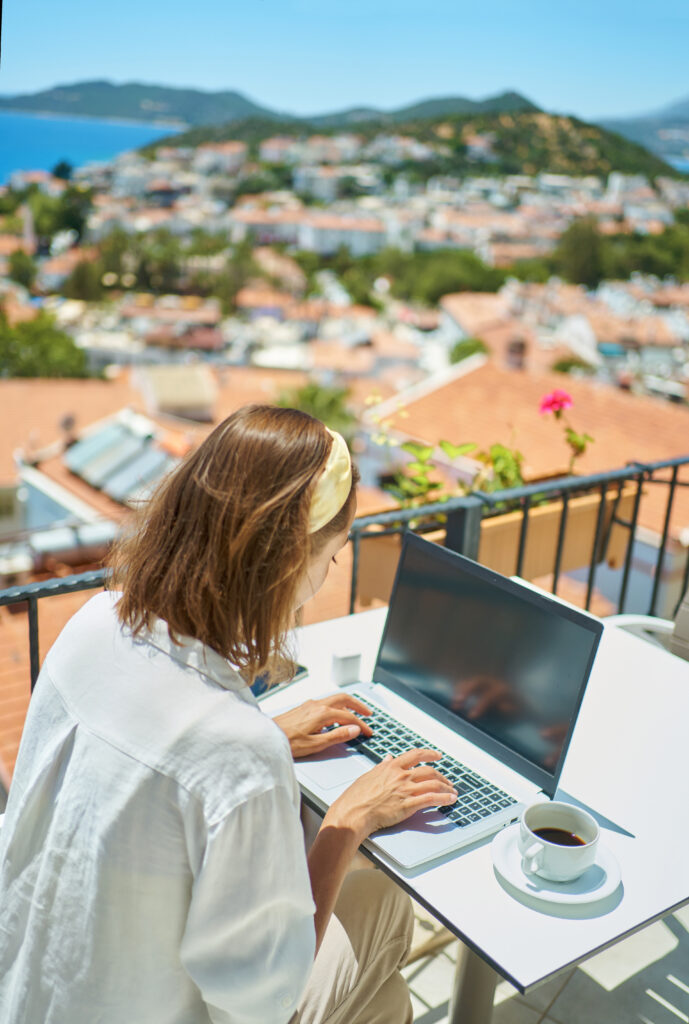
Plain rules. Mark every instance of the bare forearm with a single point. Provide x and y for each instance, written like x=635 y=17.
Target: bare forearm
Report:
x=383 y=796
x=329 y=860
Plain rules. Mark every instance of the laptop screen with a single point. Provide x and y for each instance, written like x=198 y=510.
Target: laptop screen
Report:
x=484 y=653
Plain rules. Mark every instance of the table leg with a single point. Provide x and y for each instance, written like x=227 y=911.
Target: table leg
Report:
x=474 y=989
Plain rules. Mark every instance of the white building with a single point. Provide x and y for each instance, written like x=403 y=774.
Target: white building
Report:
x=220 y=157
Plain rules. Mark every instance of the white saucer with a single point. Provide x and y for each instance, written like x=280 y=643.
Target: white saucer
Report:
x=597 y=882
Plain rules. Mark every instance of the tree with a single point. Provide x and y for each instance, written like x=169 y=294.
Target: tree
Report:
x=349 y=188
x=538 y=269
x=75 y=205
x=206 y=243
x=113 y=250
x=160 y=263
x=66 y=212
x=572 y=364
x=45 y=212
x=325 y=403
x=579 y=255
x=84 y=282
x=62 y=169
x=240 y=267
x=22 y=268
x=36 y=348
x=465 y=348
x=10 y=201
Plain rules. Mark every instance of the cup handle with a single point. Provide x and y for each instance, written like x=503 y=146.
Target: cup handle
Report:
x=529 y=857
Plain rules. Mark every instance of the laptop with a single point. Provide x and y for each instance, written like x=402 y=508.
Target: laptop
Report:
x=484 y=669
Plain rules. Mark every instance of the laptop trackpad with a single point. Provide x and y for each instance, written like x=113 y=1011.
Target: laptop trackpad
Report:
x=333 y=767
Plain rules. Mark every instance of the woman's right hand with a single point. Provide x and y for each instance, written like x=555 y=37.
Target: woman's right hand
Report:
x=391 y=792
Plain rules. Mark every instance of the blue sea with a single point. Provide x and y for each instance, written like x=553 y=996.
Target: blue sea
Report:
x=36 y=142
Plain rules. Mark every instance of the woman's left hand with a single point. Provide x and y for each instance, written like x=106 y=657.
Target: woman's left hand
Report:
x=303 y=725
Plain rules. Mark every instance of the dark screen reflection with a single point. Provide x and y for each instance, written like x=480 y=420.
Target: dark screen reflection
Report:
x=508 y=666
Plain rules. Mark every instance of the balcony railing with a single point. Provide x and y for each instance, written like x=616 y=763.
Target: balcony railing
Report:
x=461 y=518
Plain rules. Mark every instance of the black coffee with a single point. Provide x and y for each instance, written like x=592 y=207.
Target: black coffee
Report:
x=559 y=836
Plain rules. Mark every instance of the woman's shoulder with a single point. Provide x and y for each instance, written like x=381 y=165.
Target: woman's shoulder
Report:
x=169 y=709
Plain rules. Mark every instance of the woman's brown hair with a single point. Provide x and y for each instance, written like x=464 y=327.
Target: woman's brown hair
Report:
x=220 y=549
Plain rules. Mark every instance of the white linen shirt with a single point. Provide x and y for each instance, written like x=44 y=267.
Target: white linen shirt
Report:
x=153 y=867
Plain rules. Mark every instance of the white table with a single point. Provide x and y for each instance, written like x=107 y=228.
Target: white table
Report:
x=628 y=762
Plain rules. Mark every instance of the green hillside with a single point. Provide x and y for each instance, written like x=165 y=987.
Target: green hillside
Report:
x=522 y=143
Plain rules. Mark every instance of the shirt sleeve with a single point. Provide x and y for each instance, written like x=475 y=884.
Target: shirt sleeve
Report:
x=249 y=940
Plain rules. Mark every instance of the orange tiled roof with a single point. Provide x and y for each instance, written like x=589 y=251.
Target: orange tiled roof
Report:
x=504 y=254
x=12 y=243
x=474 y=311
x=258 y=297
x=336 y=222
x=671 y=295
x=333 y=355
x=233 y=146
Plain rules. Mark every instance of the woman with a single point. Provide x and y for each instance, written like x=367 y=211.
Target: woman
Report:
x=153 y=860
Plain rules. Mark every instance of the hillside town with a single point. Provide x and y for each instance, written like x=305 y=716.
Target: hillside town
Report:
x=194 y=280
x=339 y=195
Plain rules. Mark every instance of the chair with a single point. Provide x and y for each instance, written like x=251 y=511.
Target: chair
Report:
x=672 y=635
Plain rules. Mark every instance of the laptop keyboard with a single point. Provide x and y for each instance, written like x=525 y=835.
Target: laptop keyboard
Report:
x=478 y=798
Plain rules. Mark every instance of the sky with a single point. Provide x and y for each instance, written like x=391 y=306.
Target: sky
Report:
x=591 y=58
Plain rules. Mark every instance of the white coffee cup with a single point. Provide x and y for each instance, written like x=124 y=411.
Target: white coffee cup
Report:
x=346 y=666
x=545 y=856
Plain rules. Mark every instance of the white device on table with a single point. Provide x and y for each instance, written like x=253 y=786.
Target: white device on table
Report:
x=482 y=668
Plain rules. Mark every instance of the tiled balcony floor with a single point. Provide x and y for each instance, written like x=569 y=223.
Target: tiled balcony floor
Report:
x=642 y=980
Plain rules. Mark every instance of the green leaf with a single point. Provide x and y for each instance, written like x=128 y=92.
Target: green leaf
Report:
x=454 y=450
x=421 y=452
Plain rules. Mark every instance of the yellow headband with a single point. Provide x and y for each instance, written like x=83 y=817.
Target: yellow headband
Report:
x=334 y=484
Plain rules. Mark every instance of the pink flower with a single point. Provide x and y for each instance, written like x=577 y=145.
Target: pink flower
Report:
x=555 y=402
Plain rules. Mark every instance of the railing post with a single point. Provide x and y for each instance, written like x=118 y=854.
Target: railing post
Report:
x=33 y=640
x=464 y=528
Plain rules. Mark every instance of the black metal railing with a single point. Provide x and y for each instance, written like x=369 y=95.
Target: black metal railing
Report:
x=31 y=593
x=461 y=518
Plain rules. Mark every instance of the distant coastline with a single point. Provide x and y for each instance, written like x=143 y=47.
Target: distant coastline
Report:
x=174 y=126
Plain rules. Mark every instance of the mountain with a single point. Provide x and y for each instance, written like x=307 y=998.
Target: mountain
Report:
x=665 y=131
x=439 y=107
x=191 y=107
x=140 y=102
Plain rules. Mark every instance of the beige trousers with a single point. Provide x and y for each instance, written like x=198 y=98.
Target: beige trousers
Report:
x=355 y=978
